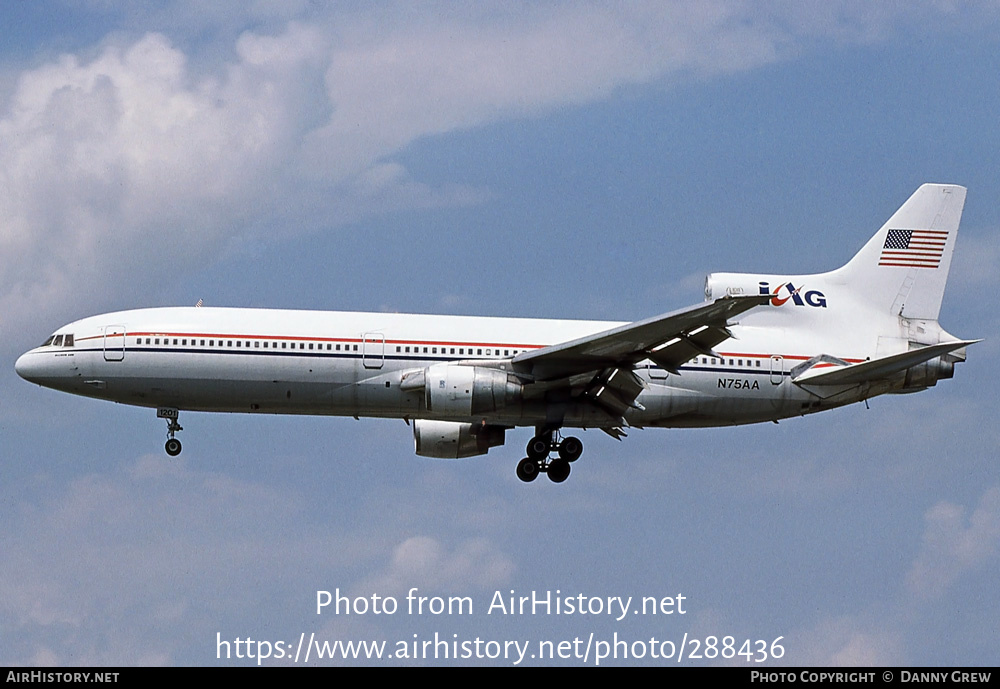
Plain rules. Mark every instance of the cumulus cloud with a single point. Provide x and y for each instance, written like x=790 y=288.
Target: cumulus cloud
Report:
x=954 y=546
x=127 y=161
x=424 y=562
x=133 y=160
x=104 y=568
x=849 y=642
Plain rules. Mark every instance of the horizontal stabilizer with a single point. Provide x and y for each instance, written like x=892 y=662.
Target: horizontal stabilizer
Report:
x=876 y=369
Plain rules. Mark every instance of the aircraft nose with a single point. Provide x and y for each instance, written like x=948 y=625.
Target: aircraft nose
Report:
x=27 y=367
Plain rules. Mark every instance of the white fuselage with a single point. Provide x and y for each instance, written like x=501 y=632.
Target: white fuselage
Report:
x=355 y=364
x=760 y=348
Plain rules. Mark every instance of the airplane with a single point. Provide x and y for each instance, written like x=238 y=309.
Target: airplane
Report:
x=760 y=348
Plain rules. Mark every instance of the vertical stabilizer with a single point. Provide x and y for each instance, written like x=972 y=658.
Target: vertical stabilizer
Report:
x=904 y=267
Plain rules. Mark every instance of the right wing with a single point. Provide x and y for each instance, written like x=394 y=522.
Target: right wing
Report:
x=598 y=368
x=669 y=340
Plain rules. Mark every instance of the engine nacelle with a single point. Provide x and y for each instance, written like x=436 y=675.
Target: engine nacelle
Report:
x=927 y=374
x=451 y=440
x=794 y=290
x=468 y=390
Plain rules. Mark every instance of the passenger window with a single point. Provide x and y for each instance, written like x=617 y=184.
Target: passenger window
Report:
x=355 y=348
x=338 y=348
x=434 y=350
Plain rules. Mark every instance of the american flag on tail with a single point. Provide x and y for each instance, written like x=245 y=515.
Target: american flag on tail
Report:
x=913 y=248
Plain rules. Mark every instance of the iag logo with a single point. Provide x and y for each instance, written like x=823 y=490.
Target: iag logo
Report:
x=790 y=291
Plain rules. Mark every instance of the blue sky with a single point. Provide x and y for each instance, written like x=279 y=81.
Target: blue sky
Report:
x=559 y=160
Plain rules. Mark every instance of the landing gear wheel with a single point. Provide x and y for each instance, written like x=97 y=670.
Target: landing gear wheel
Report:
x=538 y=447
x=570 y=449
x=527 y=469
x=558 y=470
x=170 y=414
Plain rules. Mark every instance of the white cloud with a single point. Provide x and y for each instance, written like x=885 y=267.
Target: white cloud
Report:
x=149 y=541
x=425 y=563
x=133 y=162
x=847 y=642
x=954 y=546
x=127 y=162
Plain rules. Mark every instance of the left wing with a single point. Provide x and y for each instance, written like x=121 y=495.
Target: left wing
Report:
x=606 y=359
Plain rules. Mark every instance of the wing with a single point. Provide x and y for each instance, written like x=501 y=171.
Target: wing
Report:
x=602 y=364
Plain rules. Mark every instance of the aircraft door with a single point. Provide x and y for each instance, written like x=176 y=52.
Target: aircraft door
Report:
x=655 y=372
x=777 y=370
x=373 y=350
x=114 y=343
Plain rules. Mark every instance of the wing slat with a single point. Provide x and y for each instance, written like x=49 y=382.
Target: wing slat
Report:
x=670 y=340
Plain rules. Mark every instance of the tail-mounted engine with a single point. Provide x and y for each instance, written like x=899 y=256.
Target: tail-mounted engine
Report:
x=451 y=440
x=927 y=374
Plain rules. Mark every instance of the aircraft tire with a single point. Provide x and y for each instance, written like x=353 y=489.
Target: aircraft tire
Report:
x=558 y=471
x=173 y=447
x=538 y=448
x=527 y=469
x=570 y=449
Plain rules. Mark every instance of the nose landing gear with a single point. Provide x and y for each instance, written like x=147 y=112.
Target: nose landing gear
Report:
x=173 y=445
x=538 y=460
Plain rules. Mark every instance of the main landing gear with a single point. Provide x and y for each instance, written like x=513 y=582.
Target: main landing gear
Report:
x=538 y=460
x=173 y=446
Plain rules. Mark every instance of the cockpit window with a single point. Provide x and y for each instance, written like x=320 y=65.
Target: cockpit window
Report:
x=59 y=341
